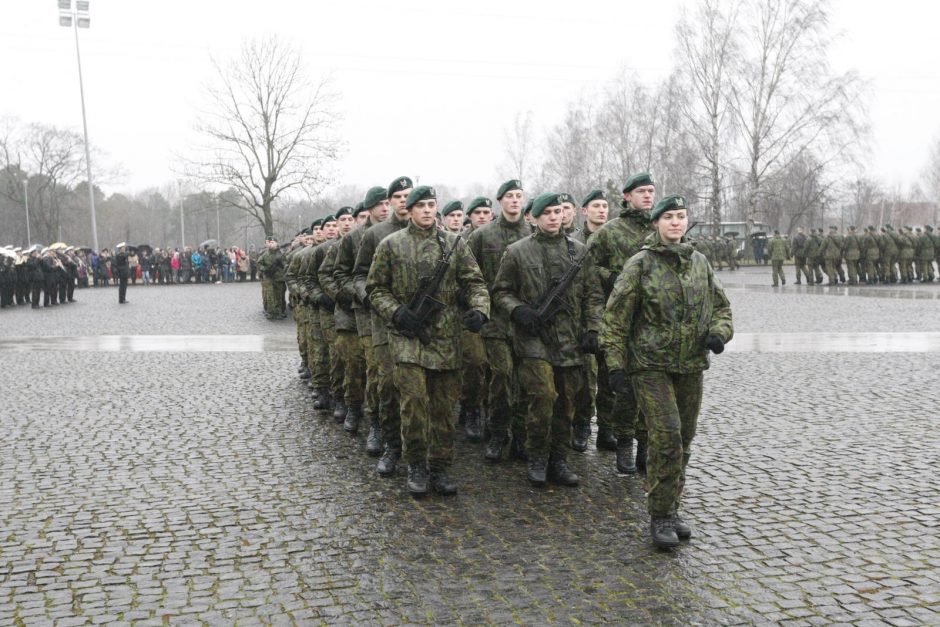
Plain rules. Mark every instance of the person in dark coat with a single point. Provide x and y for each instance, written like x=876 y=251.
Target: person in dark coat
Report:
x=121 y=267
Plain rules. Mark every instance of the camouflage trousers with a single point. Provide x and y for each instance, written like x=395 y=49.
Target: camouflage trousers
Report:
x=337 y=368
x=626 y=419
x=506 y=408
x=906 y=267
x=872 y=270
x=473 y=370
x=372 y=375
x=889 y=268
x=815 y=268
x=318 y=354
x=671 y=404
x=389 y=398
x=594 y=397
x=925 y=269
x=427 y=407
x=799 y=263
x=549 y=393
x=354 y=367
x=777 y=271
x=834 y=271
x=851 y=268
x=272 y=294
x=301 y=314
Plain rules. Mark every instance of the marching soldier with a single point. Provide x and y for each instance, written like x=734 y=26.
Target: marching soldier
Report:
x=550 y=352
x=426 y=350
x=906 y=255
x=778 y=254
x=798 y=249
x=452 y=216
x=852 y=251
x=833 y=255
x=271 y=265
x=302 y=311
x=872 y=255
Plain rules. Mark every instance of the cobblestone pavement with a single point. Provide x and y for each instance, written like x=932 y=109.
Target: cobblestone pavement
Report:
x=178 y=487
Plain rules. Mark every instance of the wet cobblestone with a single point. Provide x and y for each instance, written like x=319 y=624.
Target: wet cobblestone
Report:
x=155 y=488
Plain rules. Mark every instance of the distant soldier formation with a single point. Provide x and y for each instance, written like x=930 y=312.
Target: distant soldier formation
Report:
x=408 y=308
x=874 y=256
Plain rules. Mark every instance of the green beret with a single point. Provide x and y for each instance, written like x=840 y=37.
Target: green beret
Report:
x=374 y=196
x=270 y=238
x=315 y=224
x=399 y=185
x=479 y=201
x=454 y=205
x=422 y=192
x=359 y=209
x=928 y=228
x=328 y=219
x=888 y=226
x=637 y=180
x=466 y=220
x=594 y=194
x=508 y=186
x=343 y=211
x=566 y=198
x=528 y=206
x=548 y=199
x=852 y=227
x=306 y=231
x=667 y=204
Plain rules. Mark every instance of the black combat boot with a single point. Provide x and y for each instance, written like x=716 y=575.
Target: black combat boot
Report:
x=641 y=457
x=441 y=483
x=558 y=472
x=301 y=367
x=663 y=532
x=606 y=440
x=418 y=479
x=683 y=530
x=324 y=401
x=374 y=440
x=305 y=374
x=339 y=410
x=389 y=461
x=537 y=470
x=353 y=416
x=580 y=433
x=625 y=463
x=472 y=426
x=495 y=445
x=517 y=449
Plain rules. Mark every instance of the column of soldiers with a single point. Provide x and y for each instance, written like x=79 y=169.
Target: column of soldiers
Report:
x=873 y=256
x=407 y=309
x=39 y=276
x=719 y=250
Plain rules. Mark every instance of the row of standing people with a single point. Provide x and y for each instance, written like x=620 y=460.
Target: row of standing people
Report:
x=374 y=359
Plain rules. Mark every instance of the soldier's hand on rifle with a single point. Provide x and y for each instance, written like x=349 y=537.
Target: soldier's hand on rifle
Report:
x=406 y=321
x=617 y=380
x=325 y=301
x=589 y=343
x=715 y=344
x=526 y=317
x=473 y=320
x=609 y=284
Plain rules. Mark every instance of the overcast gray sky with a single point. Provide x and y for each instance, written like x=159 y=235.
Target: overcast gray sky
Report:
x=427 y=87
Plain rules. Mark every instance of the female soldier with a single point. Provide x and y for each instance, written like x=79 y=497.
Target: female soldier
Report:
x=666 y=311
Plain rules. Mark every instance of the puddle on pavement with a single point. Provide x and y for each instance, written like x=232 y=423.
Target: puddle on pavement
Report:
x=742 y=343
x=863 y=291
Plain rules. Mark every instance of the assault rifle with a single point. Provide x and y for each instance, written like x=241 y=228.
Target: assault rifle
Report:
x=553 y=300
x=423 y=304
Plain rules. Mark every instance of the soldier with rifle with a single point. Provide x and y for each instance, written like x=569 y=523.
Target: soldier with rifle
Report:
x=413 y=285
x=555 y=305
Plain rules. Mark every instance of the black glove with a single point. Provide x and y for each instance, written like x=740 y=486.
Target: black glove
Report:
x=589 y=342
x=344 y=300
x=406 y=321
x=617 y=380
x=473 y=320
x=609 y=284
x=715 y=344
x=526 y=317
x=325 y=301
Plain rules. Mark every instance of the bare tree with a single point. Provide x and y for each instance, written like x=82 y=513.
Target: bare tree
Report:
x=706 y=53
x=784 y=97
x=932 y=178
x=571 y=153
x=519 y=144
x=270 y=131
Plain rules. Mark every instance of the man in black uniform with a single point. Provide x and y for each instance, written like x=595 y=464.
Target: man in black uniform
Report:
x=35 y=275
x=123 y=271
x=50 y=271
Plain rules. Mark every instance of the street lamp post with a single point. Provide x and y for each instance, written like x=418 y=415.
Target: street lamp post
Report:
x=79 y=18
x=179 y=188
x=29 y=237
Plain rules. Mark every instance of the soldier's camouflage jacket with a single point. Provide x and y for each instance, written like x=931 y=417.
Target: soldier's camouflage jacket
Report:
x=295 y=269
x=777 y=249
x=665 y=303
x=310 y=272
x=925 y=250
x=401 y=261
x=851 y=248
x=617 y=241
x=343 y=317
x=906 y=247
x=798 y=245
x=488 y=243
x=833 y=246
x=365 y=254
x=272 y=265
x=870 y=246
x=343 y=277
x=527 y=271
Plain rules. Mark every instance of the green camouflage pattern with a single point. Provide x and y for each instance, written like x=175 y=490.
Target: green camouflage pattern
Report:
x=550 y=392
x=401 y=261
x=365 y=254
x=617 y=241
x=344 y=318
x=427 y=405
x=665 y=303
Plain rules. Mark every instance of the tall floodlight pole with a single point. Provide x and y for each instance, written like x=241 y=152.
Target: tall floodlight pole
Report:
x=29 y=237
x=179 y=188
x=79 y=18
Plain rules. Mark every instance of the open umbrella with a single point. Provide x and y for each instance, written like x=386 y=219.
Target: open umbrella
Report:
x=209 y=242
x=144 y=247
